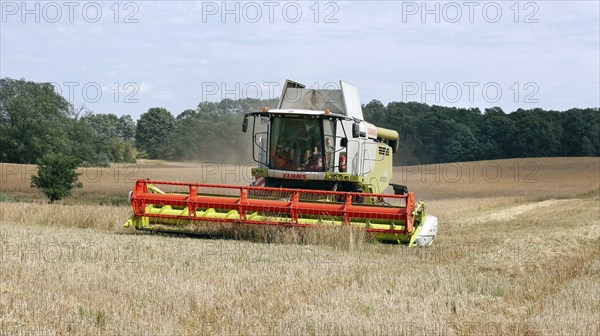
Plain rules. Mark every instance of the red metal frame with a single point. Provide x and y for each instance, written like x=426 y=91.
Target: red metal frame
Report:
x=293 y=207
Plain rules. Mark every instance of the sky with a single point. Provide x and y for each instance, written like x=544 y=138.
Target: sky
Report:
x=126 y=57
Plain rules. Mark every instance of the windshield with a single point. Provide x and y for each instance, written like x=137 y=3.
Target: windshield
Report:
x=296 y=144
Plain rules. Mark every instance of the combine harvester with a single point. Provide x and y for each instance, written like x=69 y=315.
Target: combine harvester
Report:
x=319 y=165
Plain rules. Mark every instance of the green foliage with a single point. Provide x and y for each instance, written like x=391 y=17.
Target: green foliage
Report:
x=32 y=117
x=494 y=134
x=56 y=176
x=433 y=134
x=581 y=135
x=4 y=198
x=111 y=126
x=460 y=144
x=35 y=120
x=154 y=133
x=533 y=137
x=126 y=128
x=114 y=137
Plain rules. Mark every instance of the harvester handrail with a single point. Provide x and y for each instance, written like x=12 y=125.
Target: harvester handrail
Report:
x=290 y=190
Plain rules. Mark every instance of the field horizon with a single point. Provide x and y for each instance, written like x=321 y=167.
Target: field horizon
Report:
x=518 y=252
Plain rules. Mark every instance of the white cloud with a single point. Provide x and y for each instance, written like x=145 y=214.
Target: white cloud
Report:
x=145 y=87
x=164 y=95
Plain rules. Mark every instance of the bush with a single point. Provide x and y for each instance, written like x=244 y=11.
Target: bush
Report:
x=56 y=176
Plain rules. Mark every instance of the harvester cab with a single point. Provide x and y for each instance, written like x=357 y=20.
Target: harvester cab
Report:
x=317 y=139
x=319 y=164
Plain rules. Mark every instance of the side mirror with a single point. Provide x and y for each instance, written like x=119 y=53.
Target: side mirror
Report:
x=395 y=144
x=355 y=130
x=245 y=124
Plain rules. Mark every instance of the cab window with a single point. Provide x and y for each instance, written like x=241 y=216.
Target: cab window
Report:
x=296 y=144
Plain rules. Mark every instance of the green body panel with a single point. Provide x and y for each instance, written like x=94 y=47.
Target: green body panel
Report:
x=378 y=178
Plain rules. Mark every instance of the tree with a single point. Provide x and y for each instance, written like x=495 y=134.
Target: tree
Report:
x=56 y=176
x=532 y=136
x=374 y=112
x=35 y=120
x=459 y=143
x=579 y=130
x=83 y=143
x=126 y=128
x=114 y=137
x=495 y=133
x=154 y=132
x=32 y=120
x=105 y=125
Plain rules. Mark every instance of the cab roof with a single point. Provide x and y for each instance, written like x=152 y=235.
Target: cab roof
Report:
x=298 y=113
x=343 y=101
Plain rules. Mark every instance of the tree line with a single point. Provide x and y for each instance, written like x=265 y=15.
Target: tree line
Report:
x=211 y=132
x=428 y=134
x=435 y=134
x=35 y=120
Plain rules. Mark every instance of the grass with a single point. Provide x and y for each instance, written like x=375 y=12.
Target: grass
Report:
x=511 y=258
